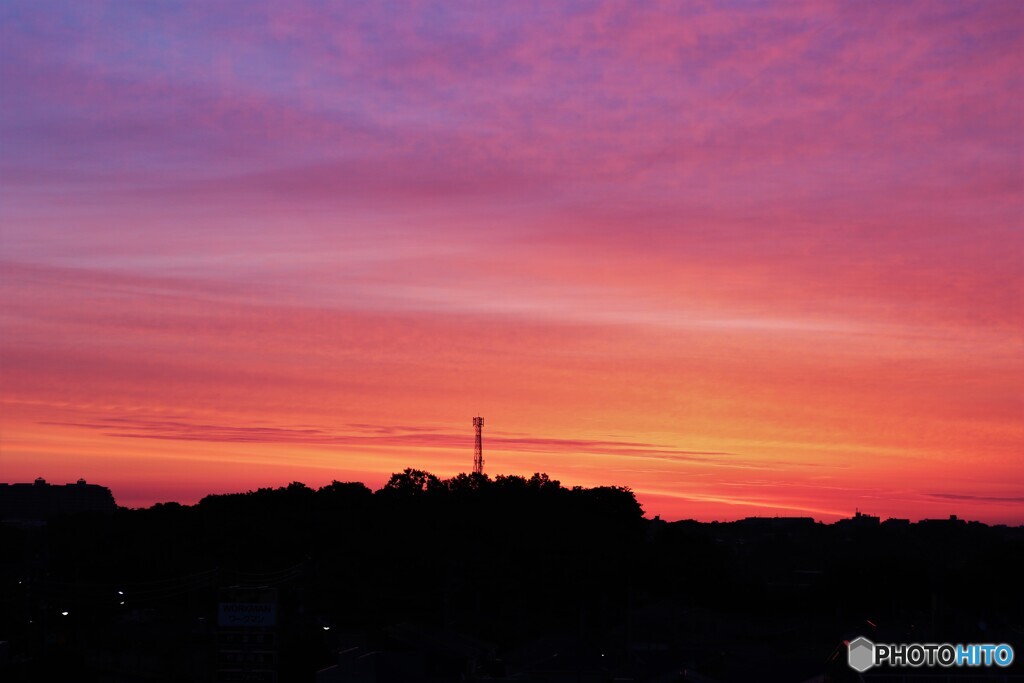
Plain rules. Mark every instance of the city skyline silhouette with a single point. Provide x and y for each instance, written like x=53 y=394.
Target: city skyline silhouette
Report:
x=431 y=580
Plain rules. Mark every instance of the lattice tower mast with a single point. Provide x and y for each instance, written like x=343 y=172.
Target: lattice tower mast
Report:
x=478 y=446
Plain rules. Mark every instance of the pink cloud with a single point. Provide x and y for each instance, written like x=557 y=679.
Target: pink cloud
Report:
x=753 y=228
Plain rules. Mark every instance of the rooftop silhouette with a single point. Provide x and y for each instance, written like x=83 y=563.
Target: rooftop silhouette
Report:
x=39 y=501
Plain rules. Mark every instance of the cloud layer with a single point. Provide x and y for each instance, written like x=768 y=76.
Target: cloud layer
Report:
x=785 y=230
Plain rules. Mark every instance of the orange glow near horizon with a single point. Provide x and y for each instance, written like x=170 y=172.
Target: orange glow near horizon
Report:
x=711 y=421
x=766 y=262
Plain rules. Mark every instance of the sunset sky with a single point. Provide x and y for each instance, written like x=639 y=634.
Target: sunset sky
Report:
x=746 y=258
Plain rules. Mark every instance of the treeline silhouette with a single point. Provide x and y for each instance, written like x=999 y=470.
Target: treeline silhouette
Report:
x=512 y=571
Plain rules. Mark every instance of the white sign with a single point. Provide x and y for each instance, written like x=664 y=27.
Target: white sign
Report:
x=243 y=614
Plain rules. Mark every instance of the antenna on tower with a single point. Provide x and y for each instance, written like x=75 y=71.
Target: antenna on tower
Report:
x=478 y=446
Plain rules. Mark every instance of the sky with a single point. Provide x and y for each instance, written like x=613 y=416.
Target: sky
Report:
x=746 y=258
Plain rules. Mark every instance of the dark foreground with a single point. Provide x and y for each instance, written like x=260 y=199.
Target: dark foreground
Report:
x=481 y=579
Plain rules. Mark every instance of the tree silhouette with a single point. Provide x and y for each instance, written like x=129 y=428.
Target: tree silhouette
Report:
x=412 y=482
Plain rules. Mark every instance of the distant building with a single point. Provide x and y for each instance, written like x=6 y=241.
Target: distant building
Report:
x=777 y=523
x=953 y=521
x=37 y=502
x=859 y=521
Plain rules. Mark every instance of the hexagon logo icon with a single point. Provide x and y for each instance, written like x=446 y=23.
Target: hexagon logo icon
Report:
x=861 y=655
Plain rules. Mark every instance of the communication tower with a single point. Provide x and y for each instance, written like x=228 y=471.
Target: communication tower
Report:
x=478 y=446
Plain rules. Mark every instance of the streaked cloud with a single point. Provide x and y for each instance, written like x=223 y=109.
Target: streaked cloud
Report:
x=745 y=238
x=980 y=499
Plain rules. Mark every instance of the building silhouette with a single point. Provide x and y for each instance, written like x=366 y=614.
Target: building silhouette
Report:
x=39 y=501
